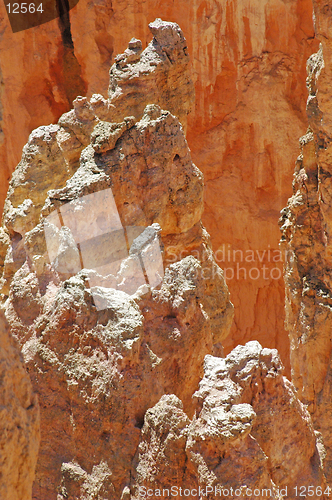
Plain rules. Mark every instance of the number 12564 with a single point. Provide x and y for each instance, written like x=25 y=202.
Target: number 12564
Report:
x=24 y=8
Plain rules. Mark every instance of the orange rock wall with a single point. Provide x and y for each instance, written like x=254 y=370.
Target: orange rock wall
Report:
x=248 y=60
x=306 y=225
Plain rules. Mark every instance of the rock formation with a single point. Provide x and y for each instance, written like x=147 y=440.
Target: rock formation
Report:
x=306 y=228
x=19 y=421
x=109 y=280
x=244 y=440
x=111 y=288
x=248 y=62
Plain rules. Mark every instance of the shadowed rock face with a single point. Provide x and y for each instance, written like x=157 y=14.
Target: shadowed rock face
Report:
x=306 y=227
x=109 y=281
x=19 y=421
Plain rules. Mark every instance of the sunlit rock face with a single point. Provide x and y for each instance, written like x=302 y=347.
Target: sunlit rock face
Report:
x=306 y=237
x=250 y=435
x=109 y=281
x=248 y=67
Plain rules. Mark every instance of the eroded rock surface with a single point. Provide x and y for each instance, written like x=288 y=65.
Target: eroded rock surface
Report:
x=249 y=433
x=248 y=62
x=110 y=286
x=306 y=227
x=159 y=74
x=19 y=421
x=109 y=280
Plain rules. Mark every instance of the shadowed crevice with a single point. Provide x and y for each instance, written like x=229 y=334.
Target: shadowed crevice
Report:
x=72 y=71
x=64 y=23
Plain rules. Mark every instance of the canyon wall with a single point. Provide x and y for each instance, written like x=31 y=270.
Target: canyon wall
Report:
x=307 y=239
x=109 y=281
x=110 y=287
x=248 y=67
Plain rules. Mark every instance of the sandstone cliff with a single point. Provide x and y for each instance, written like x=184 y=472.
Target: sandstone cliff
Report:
x=306 y=227
x=248 y=67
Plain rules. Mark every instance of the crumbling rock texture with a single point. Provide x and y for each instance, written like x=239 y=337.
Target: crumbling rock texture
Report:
x=249 y=433
x=248 y=62
x=19 y=421
x=101 y=346
x=169 y=84
x=306 y=228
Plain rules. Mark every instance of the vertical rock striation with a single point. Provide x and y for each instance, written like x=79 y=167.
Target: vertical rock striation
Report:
x=307 y=238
